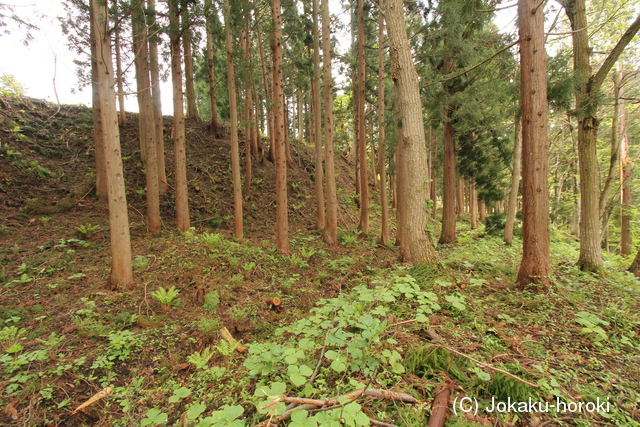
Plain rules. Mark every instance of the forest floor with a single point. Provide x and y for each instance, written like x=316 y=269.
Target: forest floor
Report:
x=349 y=317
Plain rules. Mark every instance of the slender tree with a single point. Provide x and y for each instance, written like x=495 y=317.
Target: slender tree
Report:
x=214 y=125
x=121 y=267
x=405 y=78
x=362 y=137
x=192 y=105
x=282 y=211
x=156 y=94
x=316 y=107
x=535 y=266
x=182 y=199
x=331 y=226
x=384 y=203
x=122 y=113
x=233 y=109
x=589 y=85
x=515 y=182
x=147 y=124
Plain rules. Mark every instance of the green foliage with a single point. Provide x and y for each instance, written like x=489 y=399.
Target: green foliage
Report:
x=209 y=327
x=10 y=86
x=212 y=301
x=495 y=223
x=85 y=231
x=165 y=297
x=200 y=360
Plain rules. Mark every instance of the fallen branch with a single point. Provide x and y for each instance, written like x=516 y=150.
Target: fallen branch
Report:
x=440 y=407
x=99 y=395
x=489 y=366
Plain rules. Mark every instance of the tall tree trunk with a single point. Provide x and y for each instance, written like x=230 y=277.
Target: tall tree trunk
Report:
x=102 y=186
x=460 y=196
x=233 y=109
x=282 y=211
x=147 y=124
x=614 y=162
x=406 y=78
x=316 y=108
x=192 y=105
x=268 y=93
x=384 y=202
x=434 y=172
x=482 y=208
x=635 y=265
x=590 y=258
x=448 y=233
x=214 y=124
x=244 y=42
x=515 y=181
x=473 y=206
x=535 y=266
x=402 y=229
x=121 y=268
x=122 y=113
x=331 y=226
x=179 y=140
x=362 y=137
x=625 y=179
x=157 y=97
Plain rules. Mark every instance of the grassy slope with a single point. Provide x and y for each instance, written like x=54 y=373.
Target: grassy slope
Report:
x=65 y=337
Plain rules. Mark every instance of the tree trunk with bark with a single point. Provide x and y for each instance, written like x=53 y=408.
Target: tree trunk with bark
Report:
x=362 y=140
x=214 y=124
x=406 y=78
x=157 y=97
x=384 y=202
x=316 y=108
x=331 y=226
x=121 y=267
x=590 y=258
x=626 y=167
x=448 y=233
x=102 y=186
x=233 y=110
x=122 y=113
x=535 y=266
x=282 y=211
x=147 y=124
x=179 y=140
x=189 y=78
x=515 y=182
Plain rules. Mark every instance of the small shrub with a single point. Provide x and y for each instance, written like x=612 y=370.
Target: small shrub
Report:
x=212 y=301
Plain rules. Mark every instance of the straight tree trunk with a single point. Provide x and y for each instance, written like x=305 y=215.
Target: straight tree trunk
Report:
x=147 y=123
x=384 y=202
x=362 y=140
x=233 y=109
x=214 y=125
x=635 y=265
x=268 y=94
x=121 y=269
x=535 y=266
x=473 y=206
x=179 y=140
x=157 y=97
x=192 y=105
x=434 y=172
x=515 y=181
x=448 y=233
x=122 y=113
x=102 y=186
x=614 y=158
x=402 y=229
x=282 y=211
x=590 y=258
x=316 y=108
x=406 y=78
x=247 y=108
x=625 y=178
x=331 y=226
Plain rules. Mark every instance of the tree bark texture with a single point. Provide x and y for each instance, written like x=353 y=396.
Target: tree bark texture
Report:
x=180 y=156
x=189 y=78
x=282 y=211
x=331 y=226
x=448 y=233
x=157 y=97
x=410 y=109
x=512 y=208
x=121 y=269
x=316 y=108
x=214 y=125
x=384 y=200
x=362 y=136
x=102 y=186
x=535 y=265
x=146 y=122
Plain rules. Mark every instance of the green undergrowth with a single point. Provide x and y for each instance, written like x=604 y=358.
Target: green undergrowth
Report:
x=349 y=319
